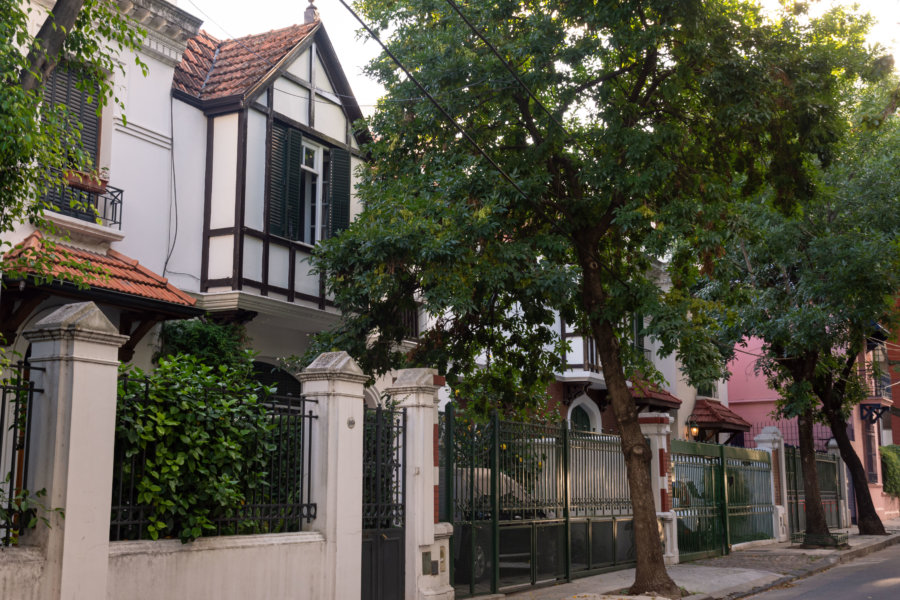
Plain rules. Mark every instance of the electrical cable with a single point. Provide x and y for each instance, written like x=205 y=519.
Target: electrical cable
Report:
x=174 y=204
x=434 y=102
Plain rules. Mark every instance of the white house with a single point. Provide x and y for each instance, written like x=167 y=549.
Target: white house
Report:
x=236 y=158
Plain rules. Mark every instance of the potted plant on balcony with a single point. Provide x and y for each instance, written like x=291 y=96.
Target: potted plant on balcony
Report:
x=93 y=182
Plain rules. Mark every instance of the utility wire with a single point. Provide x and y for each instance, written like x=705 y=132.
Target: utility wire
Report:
x=508 y=67
x=431 y=99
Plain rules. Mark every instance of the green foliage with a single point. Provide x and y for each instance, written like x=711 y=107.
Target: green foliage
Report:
x=890 y=469
x=659 y=115
x=201 y=433
x=22 y=510
x=38 y=142
x=212 y=343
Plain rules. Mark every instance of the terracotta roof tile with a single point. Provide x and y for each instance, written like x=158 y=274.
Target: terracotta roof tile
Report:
x=645 y=389
x=211 y=68
x=712 y=414
x=114 y=271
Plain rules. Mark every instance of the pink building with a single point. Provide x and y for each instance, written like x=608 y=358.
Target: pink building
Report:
x=869 y=424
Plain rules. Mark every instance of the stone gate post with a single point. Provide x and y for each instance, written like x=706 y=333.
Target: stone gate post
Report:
x=657 y=428
x=336 y=383
x=73 y=439
x=771 y=440
x=427 y=542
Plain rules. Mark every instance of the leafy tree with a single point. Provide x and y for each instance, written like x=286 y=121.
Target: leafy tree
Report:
x=813 y=282
x=38 y=141
x=625 y=128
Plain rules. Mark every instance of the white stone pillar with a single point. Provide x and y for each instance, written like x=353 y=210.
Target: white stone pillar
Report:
x=843 y=504
x=416 y=391
x=771 y=440
x=657 y=427
x=336 y=383
x=73 y=440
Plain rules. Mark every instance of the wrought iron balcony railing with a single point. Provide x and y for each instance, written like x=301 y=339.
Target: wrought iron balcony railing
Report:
x=882 y=387
x=102 y=206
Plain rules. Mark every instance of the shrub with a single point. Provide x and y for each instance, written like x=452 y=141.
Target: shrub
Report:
x=890 y=469
x=211 y=343
x=199 y=435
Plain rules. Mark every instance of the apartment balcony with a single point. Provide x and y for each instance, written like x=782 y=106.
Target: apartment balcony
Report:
x=881 y=388
x=88 y=201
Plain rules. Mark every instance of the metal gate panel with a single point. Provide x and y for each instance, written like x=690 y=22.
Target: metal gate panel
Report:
x=531 y=503
x=698 y=499
x=827 y=467
x=384 y=504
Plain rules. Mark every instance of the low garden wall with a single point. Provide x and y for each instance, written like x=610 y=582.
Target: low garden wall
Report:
x=284 y=565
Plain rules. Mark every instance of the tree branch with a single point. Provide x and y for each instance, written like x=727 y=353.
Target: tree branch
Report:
x=46 y=48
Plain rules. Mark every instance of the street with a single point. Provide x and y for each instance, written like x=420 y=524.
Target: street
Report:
x=872 y=577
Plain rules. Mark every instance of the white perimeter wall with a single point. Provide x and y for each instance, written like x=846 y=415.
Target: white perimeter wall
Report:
x=287 y=565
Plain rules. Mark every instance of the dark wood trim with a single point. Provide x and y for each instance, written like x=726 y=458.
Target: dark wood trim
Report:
x=312 y=83
x=282 y=66
x=145 y=324
x=299 y=81
x=207 y=204
x=317 y=136
x=237 y=268
x=341 y=85
x=211 y=108
x=220 y=231
x=267 y=194
x=13 y=316
x=222 y=281
x=292 y=273
x=252 y=283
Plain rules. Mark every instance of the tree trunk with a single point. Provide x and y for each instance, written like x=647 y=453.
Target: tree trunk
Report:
x=815 y=512
x=650 y=571
x=866 y=516
x=45 y=52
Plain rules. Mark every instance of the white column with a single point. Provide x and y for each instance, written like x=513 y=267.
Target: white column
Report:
x=843 y=504
x=771 y=440
x=657 y=428
x=416 y=391
x=73 y=439
x=336 y=383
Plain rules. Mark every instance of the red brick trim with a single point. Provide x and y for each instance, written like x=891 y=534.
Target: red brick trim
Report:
x=651 y=420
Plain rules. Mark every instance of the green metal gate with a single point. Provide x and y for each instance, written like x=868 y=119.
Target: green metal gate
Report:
x=721 y=496
x=531 y=503
x=829 y=489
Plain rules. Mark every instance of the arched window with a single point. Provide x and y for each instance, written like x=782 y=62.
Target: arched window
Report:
x=584 y=415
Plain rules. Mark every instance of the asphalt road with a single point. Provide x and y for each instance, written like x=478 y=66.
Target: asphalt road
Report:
x=872 y=577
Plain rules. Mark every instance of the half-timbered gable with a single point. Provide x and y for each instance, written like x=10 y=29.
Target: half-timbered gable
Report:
x=280 y=152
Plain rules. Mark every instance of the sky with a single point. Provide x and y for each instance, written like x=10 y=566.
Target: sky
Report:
x=236 y=18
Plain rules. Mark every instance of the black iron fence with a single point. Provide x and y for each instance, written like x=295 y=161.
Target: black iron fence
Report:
x=531 y=502
x=16 y=405
x=827 y=466
x=282 y=503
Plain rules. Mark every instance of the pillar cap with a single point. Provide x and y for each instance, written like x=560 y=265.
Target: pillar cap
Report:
x=81 y=320
x=330 y=364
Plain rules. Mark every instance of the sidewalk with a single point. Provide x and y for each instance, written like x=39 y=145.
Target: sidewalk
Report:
x=744 y=571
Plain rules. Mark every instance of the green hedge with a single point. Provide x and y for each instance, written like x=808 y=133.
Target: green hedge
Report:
x=890 y=469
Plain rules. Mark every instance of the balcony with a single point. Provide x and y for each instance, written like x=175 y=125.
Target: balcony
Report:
x=881 y=388
x=94 y=204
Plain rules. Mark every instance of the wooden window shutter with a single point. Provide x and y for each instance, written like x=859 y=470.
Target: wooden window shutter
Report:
x=294 y=188
x=62 y=88
x=339 y=190
x=277 y=181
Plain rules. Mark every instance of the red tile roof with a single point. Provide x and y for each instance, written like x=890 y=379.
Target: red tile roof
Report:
x=644 y=389
x=710 y=414
x=110 y=271
x=212 y=68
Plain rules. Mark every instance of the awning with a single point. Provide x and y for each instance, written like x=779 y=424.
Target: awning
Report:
x=712 y=415
x=650 y=395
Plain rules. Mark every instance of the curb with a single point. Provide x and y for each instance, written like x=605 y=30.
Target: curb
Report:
x=824 y=565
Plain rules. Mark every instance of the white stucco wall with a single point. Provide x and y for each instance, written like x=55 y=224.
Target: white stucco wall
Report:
x=20 y=572
x=287 y=565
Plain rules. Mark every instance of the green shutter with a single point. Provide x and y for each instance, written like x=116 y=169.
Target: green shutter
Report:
x=294 y=188
x=339 y=190
x=277 y=180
